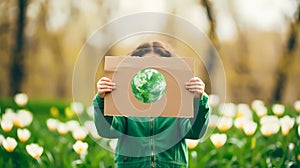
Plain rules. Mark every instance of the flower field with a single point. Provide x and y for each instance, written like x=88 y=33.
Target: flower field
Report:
x=50 y=134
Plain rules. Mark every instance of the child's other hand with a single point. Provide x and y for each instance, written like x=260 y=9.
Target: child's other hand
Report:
x=105 y=85
x=196 y=86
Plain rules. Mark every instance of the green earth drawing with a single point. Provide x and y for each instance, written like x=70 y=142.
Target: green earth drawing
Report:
x=148 y=85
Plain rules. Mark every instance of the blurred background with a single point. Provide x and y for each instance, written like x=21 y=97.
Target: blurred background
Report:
x=257 y=42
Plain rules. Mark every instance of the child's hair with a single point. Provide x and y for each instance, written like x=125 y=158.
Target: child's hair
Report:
x=152 y=47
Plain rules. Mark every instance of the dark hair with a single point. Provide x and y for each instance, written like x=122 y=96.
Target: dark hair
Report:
x=153 y=47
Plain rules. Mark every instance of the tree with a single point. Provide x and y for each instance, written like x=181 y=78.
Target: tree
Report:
x=286 y=59
x=17 y=54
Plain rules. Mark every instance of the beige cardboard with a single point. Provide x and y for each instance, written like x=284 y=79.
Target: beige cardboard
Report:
x=177 y=101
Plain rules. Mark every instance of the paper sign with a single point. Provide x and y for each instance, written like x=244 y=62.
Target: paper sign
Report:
x=176 y=102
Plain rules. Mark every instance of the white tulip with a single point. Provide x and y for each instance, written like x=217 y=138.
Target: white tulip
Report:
x=218 y=139
x=269 y=129
x=228 y=110
x=287 y=121
x=9 y=114
x=240 y=122
x=298 y=120
x=52 y=124
x=34 y=150
x=79 y=133
x=23 y=134
x=91 y=128
x=285 y=129
x=297 y=105
x=80 y=147
x=23 y=118
x=77 y=107
x=192 y=143
x=261 y=111
x=299 y=130
x=213 y=100
x=269 y=119
x=21 y=99
x=90 y=111
x=256 y=104
x=244 y=111
x=225 y=123
x=9 y=144
x=250 y=128
x=72 y=125
x=278 y=109
x=6 y=125
x=62 y=128
x=213 y=121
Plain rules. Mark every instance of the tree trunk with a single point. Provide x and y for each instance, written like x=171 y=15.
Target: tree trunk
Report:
x=286 y=60
x=17 y=62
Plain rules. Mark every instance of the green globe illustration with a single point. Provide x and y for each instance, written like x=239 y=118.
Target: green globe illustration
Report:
x=148 y=85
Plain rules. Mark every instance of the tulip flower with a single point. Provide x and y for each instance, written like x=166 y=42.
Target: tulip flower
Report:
x=34 y=150
x=269 y=120
x=297 y=105
x=261 y=111
x=269 y=129
x=72 y=125
x=54 y=112
x=79 y=133
x=6 y=125
x=244 y=111
x=228 y=110
x=9 y=144
x=62 y=128
x=218 y=139
x=77 y=107
x=91 y=128
x=192 y=143
x=80 y=147
x=225 y=124
x=21 y=99
x=213 y=100
x=298 y=120
x=52 y=124
x=23 y=134
x=9 y=114
x=299 y=130
x=213 y=121
x=23 y=118
x=90 y=111
x=278 y=109
x=287 y=121
x=257 y=104
x=285 y=130
x=250 y=128
x=240 y=122
x=69 y=112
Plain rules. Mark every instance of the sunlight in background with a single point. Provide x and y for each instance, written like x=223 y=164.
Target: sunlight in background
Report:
x=267 y=15
x=58 y=14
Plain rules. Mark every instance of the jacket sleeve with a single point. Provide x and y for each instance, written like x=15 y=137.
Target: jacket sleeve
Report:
x=107 y=126
x=196 y=127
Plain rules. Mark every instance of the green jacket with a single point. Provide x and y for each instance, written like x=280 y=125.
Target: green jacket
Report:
x=152 y=141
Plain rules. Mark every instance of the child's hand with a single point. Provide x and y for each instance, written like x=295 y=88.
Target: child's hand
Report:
x=196 y=86
x=105 y=85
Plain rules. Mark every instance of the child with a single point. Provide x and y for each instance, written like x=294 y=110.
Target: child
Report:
x=152 y=141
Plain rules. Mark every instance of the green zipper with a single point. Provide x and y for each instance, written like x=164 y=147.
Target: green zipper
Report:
x=151 y=142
